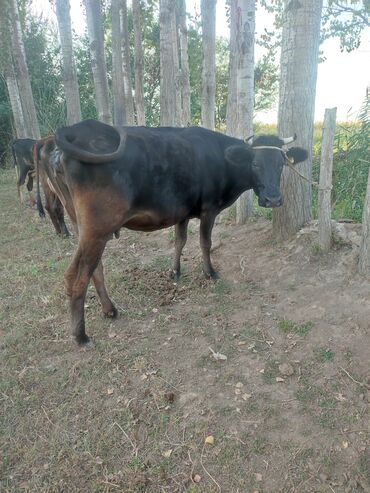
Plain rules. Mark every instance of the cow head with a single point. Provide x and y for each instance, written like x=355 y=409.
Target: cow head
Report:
x=267 y=157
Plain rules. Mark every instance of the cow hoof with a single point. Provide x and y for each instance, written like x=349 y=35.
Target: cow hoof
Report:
x=175 y=275
x=112 y=313
x=85 y=342
x=211 y=276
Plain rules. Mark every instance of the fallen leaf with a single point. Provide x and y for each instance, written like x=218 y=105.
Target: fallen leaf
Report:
x=167 y=453
x=197 y=478
x=218 y=356
x=239 y=385
x=262 y=371
x=110 y=391
x=345 y=444
x=279 y=379
x=209 y=440
x=245 y=397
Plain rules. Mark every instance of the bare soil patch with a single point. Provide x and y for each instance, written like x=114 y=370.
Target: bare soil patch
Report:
x=287 y=411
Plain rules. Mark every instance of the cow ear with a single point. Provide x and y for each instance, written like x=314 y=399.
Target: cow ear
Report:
x=297 y=154
x=239 y=155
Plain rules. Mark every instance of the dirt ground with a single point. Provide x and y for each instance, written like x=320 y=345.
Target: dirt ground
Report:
x=151 y=408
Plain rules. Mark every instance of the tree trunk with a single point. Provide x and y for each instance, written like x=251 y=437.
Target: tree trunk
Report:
x=232 y=95
x=167 y=65
x=208 y=97
x=177 y=67
x=326 y=172
x=22 y=77
x=299 y=60
x=70 y=83
x=7 y=71
x=139 y=64
x=245 y=85
x=129 y=102
x=119 y=109
x=184 y=62
x=364 y=259
x=98 y=64
x=239 y=114
x=15 y=102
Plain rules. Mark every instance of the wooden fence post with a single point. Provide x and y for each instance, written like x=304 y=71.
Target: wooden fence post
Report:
x=326 y=171
x=364 y=260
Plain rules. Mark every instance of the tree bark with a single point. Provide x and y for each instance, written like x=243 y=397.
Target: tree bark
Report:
x=240 y=102
x=364 y=259
x=299 y=60
x=184 y=63
x=245 y=82
x=22 y=76
x=129 y=102
x=326 y=172
x=208 y=97
x=232 y=95
x=119 y=109
x=98 y=63
x=70 y=82
x=7 y=71
x=139 y=64
x=167 y=65
x=177 y=67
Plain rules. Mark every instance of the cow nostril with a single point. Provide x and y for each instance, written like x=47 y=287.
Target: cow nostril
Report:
x=274 y=201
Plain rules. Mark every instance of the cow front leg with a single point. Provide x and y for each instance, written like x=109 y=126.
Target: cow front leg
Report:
x=181 y=234
x=107 y=306
x=207 y=221
x=77 y=279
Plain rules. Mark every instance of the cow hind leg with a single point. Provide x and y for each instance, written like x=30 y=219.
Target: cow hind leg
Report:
x=181 y=233
x=108 y=308
x=77 y=279
x=206 y=225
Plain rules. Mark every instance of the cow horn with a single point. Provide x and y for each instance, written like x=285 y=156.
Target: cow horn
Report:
x=289 y=140
x=248 y=139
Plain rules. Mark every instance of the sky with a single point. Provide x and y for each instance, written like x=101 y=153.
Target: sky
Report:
x=342 y=79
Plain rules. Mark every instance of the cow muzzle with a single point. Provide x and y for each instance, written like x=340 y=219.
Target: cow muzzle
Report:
x=271 y=202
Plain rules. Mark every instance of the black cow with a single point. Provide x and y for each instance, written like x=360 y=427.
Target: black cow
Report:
x=147 y=179
x=22 y=150
x=23 y=163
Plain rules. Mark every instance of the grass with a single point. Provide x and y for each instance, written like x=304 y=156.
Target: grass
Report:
x=290 y=327
x=100 y=420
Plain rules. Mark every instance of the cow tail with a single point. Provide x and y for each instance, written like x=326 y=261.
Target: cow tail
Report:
x=36 y=160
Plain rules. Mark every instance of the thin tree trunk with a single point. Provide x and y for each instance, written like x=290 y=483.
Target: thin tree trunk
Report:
x=184 y=62
x=129 y=102
x=119 y=109
x=176 y=67
x=245 y=88
x=208 y=97
x=326 y=172
x=7 y=70
x=299 y=60
x=167 y=66
x=364 y=259
x=15 y=103
x=232 y=95
x=21 y=74
x=139 y=64
x=70 y=83
x=98 y=63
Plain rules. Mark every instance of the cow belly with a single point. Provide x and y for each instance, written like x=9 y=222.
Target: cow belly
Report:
x=149 y=221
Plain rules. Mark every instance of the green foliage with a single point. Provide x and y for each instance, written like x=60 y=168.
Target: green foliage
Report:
x=346 y=21
x=44 y=66
x=350 y=167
